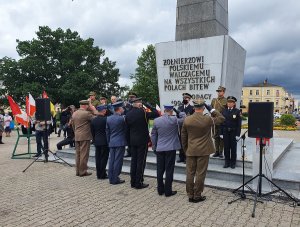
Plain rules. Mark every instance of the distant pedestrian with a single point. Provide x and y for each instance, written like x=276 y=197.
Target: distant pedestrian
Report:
x=1 y=126
x=7 y=121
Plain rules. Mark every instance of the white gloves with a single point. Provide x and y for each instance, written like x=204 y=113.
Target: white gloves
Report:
x=237 y=137
x=221 y=136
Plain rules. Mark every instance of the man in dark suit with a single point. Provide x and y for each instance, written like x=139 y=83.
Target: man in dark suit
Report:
x=117 y=140
x=231 y=130
x=137 y=121
x=98 y=127
x=188 y=109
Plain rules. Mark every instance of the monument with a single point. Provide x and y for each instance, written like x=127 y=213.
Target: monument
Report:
x=203 y=56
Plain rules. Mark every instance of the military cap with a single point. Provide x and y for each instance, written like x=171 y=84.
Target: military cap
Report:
x=92 y=93
x=187 y=95
x=84 y=102
x=136 y=99
x=168 y=107
x=103 y=97
x=131 y=93
x=101 y=107
x=199 y=102
x=220 y=88
x=231 y=99
x=118 y=104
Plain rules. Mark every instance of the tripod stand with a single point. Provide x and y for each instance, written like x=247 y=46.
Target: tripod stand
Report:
x=242 y=194
x=260 y=176
x=45 y=151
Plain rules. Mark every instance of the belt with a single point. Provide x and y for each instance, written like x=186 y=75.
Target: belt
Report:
x=230 y=129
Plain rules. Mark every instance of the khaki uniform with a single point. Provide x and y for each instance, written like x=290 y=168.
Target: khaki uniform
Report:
x=95 y=103
x=198 y=145
x=81 y=122
x=219 y=104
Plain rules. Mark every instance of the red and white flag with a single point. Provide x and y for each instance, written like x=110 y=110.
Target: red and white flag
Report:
x=30 y=105
x=22 y=118
x=15 y=109
x=158 y=109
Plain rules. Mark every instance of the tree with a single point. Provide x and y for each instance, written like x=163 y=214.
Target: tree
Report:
x=62 y=63
x=145 y=78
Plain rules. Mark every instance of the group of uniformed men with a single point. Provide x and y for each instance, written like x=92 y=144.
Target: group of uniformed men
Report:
x=188 y=131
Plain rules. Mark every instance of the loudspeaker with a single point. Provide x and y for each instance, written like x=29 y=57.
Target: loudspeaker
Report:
x=260 y=119
x=42 y=109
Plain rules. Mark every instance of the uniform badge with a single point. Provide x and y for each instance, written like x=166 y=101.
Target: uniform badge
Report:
x=234 y=116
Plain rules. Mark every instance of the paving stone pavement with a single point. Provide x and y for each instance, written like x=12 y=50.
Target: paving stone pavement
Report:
x=51 y=195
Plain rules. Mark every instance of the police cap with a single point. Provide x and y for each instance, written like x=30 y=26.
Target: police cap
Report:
x=231 y=99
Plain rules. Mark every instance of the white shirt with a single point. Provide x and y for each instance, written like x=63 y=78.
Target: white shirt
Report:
x=7 y=120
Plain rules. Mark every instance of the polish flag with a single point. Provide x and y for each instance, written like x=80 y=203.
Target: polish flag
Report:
x=15 y=109
x=22 y=118
x=30 y=105
x=158 y=109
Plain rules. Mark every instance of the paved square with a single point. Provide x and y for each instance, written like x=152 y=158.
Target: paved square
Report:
x=51 y=195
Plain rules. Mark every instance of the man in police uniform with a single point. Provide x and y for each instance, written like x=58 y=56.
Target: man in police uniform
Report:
x=197 y=144
x=98 y=127
x=116 y=134
x=93 y=99
x=137 y=121
x=219 y=104
x=189 y=110
x=165 y=141
x=81 y=121
x=231 y=130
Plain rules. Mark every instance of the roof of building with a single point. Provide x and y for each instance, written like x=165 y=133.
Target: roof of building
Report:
x=263 y=84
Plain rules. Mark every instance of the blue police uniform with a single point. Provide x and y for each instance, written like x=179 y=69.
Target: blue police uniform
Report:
x=116 y=138
x=230 y=129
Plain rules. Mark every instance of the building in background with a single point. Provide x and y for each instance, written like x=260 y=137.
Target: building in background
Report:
x=267 y=92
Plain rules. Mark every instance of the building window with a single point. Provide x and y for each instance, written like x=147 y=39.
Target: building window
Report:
x=268 y=92
x=250 y=92
x=256 y=100
x=277 y=93
x=250 y=100
x=276 y=104
x=268 y=100
x=242 y=92
x=257 y=92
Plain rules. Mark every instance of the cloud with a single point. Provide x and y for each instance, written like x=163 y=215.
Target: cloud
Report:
x=268 y=30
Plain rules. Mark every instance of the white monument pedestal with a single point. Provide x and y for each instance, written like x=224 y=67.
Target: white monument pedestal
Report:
x=199 y=66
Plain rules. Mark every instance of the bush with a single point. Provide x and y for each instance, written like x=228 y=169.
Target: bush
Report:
x=288 y=120
x=245 y=114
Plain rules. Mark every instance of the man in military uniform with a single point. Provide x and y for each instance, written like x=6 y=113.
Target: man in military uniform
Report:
x=165 y=141
x=188 y=109
x=98 y=127
x=231 y=130
x=81 y=121
x=219 y=104
x=198 y=145
x=128 y=106
x=116 y=134
x=93 y=99
x=137 y=121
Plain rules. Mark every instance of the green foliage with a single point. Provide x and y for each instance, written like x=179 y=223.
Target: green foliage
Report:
x=287 y=119
x=145 y=78
x=245 y=114
x=63 y=64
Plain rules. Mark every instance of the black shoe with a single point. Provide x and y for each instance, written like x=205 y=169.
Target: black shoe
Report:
x=46 y=158
x=191 y=200
x=179 y=160
x=142 y=186
x=216 y=154
x=200 y=199
x=226 y=165
x=232 y=166
x=36 y=155
x=1 y=142
x=127 y=156
x=172 y=193
x=221 y=155
x=120 y=182
x=161 y=193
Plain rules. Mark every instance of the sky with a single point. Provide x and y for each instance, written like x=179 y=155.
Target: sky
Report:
x=269 y=30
